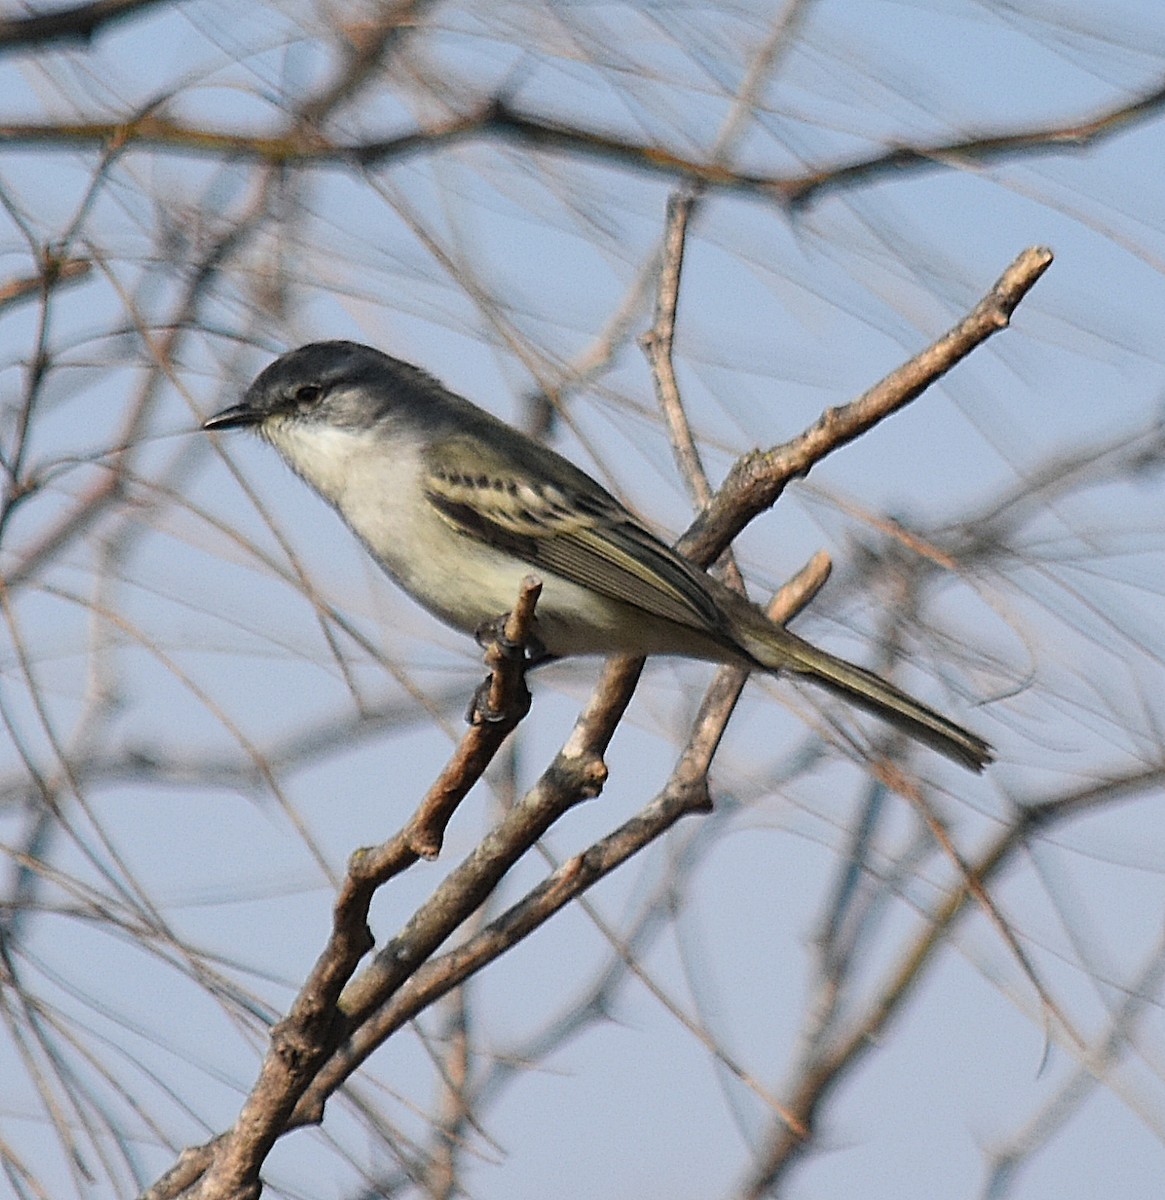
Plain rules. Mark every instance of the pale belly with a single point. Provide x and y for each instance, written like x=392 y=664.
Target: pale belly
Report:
x=468 y=584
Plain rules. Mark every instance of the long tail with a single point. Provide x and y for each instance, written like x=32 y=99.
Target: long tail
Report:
x=779 y=650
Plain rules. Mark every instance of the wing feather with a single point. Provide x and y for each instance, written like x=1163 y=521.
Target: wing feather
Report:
x=585 y=536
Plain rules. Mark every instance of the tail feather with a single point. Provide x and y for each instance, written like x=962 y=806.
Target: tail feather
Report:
x=779 y=650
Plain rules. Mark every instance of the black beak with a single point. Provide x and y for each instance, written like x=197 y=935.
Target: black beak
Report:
x=238 y=416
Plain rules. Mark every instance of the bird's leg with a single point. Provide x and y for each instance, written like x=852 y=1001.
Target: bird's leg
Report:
x=510 y=647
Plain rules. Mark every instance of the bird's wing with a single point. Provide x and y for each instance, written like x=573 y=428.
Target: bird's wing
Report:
x=566 y=523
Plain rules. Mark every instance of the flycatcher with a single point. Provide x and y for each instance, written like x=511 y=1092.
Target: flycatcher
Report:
x=458 y=508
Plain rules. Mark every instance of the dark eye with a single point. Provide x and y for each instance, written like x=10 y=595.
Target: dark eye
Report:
x=307 y=394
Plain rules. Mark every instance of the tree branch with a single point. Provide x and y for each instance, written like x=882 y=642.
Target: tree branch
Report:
x=757 y=480
x=304 y=145
x=77 y=24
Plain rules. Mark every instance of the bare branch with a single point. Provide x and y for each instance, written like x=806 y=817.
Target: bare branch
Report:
x=658 y=344
x=757 y=480
x=77 y=24
x=72 y=270
x=496 y=118
x=979 y=150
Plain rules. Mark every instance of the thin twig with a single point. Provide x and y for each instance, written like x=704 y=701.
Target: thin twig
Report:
x=658 y=344
x=757 y=480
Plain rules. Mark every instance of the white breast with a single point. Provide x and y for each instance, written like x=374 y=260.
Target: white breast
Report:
x=375 y=483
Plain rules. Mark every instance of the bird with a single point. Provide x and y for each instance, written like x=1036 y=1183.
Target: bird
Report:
x=459 y=508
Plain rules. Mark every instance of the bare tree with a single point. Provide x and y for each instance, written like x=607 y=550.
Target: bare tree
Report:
x=257 y=865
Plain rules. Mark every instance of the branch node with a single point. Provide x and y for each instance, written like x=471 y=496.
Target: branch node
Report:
x=589 y=775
